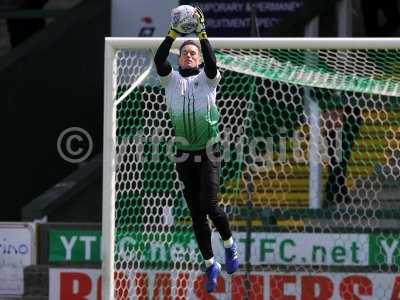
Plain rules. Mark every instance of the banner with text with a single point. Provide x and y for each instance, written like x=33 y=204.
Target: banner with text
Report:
x=224 y=18
x=17 y=250
x=86 y=284
x=74 y=245
x=274 y=17
x=267 y=248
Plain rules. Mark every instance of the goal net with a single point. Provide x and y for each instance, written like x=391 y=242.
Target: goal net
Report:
x=310 y=172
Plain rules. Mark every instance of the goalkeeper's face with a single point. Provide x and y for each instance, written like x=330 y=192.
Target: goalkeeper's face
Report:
x=189 y=57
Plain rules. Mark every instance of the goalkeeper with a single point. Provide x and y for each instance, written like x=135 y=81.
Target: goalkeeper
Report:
x=190 y=98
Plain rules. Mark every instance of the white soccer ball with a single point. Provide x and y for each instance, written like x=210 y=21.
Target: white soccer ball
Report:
x=183 y=19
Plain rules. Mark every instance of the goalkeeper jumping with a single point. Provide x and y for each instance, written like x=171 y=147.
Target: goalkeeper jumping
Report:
x=190 y=98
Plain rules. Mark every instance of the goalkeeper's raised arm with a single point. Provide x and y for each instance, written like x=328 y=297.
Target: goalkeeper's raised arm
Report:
x=160 y=59
x=210 y=62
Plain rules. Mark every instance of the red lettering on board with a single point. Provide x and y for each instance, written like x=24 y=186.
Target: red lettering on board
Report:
x=348 y=284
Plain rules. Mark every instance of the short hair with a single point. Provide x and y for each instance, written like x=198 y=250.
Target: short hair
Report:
x=188 y=42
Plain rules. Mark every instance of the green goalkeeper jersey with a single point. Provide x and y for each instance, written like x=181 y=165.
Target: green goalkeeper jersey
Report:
x=192 y=108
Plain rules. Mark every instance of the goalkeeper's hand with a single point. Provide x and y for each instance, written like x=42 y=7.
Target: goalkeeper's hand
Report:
x=201 y=24
x=173 y=33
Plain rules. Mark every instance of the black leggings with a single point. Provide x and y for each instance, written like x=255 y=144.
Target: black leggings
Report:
x=200 y=176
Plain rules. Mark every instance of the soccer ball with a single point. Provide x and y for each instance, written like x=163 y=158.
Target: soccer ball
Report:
x=183 y=19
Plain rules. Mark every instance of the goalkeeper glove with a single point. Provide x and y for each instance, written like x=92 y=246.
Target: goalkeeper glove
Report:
x=173 y=33
x=201 y=24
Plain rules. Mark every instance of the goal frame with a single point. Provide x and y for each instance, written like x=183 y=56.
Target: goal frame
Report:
x=112 y=44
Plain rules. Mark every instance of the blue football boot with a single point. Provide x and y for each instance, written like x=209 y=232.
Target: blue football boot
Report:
x=212 y=272
x=231 y=259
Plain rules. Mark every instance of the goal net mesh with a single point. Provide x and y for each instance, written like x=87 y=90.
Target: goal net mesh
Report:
x=309 y=178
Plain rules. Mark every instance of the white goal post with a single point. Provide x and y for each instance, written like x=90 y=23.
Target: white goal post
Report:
x=346 y=65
